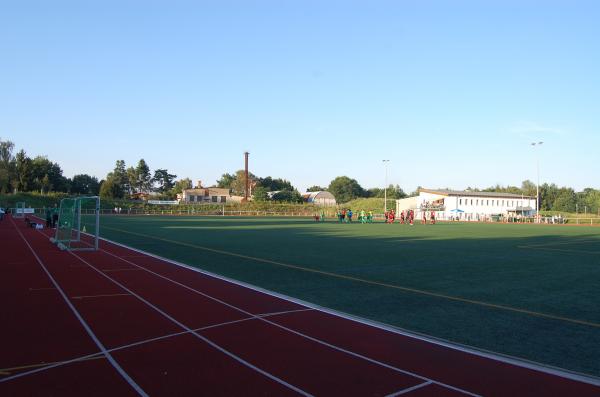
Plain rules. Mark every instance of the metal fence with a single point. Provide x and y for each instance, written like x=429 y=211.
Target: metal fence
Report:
x=594 y=221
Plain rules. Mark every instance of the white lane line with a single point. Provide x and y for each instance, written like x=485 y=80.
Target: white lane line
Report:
x=515 y=361
x=196 y=334
x=503 y=358
x=98 y=296
x=116 y=365
x=139 y=343
x=410 y=389
x=321 y=342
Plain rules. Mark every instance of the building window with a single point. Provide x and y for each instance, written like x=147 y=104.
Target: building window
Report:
x=214 y=199
x=471 y=201
x=223 y=199
x=192 y=198
x=487 y=202
x=460 y=201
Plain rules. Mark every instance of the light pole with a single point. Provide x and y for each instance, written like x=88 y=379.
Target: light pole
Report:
x=385 y=163
x=537 y=185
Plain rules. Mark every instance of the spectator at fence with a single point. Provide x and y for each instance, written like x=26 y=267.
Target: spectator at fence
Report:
x=54 y=216
x=48 y=217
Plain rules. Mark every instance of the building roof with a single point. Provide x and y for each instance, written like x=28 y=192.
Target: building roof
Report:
x=322 y=194
x=470 y=193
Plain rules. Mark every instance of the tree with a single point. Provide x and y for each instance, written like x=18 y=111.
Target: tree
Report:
x=85 y=184
x=23 y=171
x=181 y=185
x=164 y=180
x=528 y=188
x=548 y=195
x=345 y=189
x=238 y=186
x=260 y=194
x=143 y=177
x=120 y=177
x=110 y=189
x=131 y=177
x=273 y=185
x=290 y=196
x=6 y=165
x=47 y=176
x=316 y=188
x=226 y=181
x=565 y=200
x=591 y=198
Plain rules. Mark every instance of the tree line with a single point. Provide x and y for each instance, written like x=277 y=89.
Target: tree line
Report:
x=21 y=173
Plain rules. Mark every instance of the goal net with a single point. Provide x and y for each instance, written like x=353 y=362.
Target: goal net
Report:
x=78 y=225
x=19 y=210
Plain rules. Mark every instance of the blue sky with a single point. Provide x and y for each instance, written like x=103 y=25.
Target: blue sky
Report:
x=451 y=92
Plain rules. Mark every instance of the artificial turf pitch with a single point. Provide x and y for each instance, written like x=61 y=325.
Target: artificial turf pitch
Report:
x=529 y=291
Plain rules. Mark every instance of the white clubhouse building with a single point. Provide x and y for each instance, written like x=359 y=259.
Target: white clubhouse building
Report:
x=467 y=205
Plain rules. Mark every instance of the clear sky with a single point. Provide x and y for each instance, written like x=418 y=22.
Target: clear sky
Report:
x=451 y=92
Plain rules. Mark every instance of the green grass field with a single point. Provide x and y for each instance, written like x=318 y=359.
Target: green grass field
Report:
x=529 y=291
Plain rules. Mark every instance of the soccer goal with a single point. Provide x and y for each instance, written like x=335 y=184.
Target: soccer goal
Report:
x=19 y=210
x=78 y=226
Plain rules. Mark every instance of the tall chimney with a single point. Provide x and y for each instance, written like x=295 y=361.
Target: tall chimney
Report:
x=246 y=176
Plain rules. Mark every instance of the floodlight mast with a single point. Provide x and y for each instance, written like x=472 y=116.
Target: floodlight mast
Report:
x=247 y=184
x=385 y=163
x=537 y=186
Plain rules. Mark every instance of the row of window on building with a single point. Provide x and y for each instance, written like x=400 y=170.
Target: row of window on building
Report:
x=487 y=202
x=214 y=199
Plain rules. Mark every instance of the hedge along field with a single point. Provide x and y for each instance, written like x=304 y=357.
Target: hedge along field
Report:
x=529 y=291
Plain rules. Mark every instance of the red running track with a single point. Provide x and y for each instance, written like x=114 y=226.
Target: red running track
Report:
x=120 y=322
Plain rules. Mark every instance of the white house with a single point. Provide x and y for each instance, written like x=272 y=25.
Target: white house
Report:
x=467 y=205
x=204 y=195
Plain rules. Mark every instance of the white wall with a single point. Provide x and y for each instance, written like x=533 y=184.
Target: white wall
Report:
x=474 y=207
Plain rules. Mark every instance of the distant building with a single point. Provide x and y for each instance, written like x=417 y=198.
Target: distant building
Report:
x=467 y=205
x=205 y=195
x=319 y=198
x=140 y=196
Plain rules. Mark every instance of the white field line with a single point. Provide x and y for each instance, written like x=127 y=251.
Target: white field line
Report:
x=196 y=334
x=321 y=342
x=139 y=343
x=114 y=363
x=518 y=362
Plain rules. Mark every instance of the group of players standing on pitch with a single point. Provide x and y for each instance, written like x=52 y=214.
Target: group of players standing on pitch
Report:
x=406 y=217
